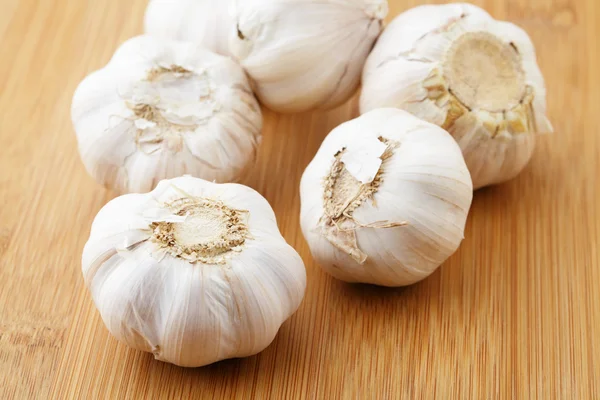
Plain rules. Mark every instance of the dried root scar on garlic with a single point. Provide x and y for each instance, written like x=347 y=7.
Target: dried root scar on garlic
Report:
x=355 y=177
x=385 y=199
x=209 y=231
x=193 y=272
x=363 y=158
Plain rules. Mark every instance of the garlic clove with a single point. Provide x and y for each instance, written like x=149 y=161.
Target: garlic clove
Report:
x=398 y=227
x=481 y=77
x=303 y=55
x=161 y=109
x=194 y=272
x=205 y=22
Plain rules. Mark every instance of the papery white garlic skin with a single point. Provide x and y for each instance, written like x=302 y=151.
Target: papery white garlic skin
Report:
x=161 y=109
x=205 y=22
x=457 y=67
x=305 y=54
x=418 y=195
x=192 y=313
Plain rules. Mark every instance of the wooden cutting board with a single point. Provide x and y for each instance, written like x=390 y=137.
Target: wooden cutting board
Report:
x=515 y=313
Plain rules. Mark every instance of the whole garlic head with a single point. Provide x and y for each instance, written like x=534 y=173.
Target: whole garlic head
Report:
x=194 y=272
x=205 y=22
x=476 y=77
x=305 y=54
x=385 y=200
x=162 y=109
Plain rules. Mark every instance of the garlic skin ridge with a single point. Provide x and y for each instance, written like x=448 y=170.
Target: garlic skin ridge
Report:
x=385 y=200
x=304 y=54
x=184 y=310
x=204 y=22
x=161 y=109
x=457 y=67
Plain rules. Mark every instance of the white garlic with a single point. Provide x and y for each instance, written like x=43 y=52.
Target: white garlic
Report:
x=385 y=200
x=455 y=66
x=194 y=272
x=205 y=22
x=305 y=54
x=161 y=109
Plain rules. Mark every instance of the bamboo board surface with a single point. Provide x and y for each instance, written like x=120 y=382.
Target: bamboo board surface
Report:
x=515 y=313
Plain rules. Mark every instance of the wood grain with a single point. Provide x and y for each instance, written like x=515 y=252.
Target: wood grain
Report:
x=515 y=313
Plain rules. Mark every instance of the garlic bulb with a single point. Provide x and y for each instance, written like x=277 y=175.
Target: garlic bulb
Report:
x=205 y=22
x=161 y=109
x=194 y=272
x=476 y=77
x=305 y=54
x=385 y=200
